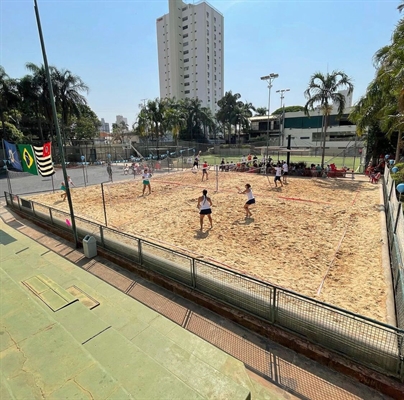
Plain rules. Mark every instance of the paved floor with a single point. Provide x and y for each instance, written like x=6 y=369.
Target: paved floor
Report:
x=72 y=327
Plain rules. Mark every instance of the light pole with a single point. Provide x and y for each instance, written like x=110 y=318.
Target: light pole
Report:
x=282 y=92
x=269 y=78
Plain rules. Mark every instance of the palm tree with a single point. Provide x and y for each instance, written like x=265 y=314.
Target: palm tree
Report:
x=8 y=97
x=261 y=111
x=227 y=105
x=401 y=6
x=323 y=90
x=67 y=88
x=240 y=117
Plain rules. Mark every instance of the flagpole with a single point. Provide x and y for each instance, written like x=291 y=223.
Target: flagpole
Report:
x=10 y=190
x=55 y=120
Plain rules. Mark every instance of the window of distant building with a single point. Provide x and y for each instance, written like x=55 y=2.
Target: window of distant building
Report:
x=184 y=8
x=186 y=52
x=186 y=76
x=207 y=32
x=186 y=44
x=185 y=35
x=187 y=92
x=186 y=60
x=208 y=58
x=207 y=41
x=207 y=49
x=186 y=84
x=185 y=19
x=207 y=14
x=185 y=27
x=207 y=24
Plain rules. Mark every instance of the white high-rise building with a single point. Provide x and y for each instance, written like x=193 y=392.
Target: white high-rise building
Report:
x=190 y=44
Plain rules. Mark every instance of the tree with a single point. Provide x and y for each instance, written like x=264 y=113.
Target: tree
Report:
x=8 y=99
x=322 y=90
x=227 y=105
x=383 y=103
x=261 y=111
x=197 y=117
x=240 y=117
x=279 y=111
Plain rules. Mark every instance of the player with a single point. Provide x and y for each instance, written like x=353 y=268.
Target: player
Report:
x=250 y=199
x=205 y=170
x=278 y=174
x=204 y=205
x=146 y=180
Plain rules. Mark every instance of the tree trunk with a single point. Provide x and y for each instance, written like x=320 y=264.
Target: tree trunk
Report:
x=398 y=148
x=324 y=140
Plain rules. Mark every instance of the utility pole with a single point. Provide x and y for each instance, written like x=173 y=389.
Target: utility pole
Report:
x=282 y=92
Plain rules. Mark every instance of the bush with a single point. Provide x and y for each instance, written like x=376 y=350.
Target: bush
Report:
x=399 y=175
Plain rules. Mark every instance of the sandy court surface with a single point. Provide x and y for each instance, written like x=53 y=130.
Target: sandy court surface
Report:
x=296 y=234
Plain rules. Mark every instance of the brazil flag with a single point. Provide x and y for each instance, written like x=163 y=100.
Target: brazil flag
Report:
x=27 y=158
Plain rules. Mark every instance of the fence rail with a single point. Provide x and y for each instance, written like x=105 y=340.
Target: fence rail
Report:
x=395 y=230
x=368 y=342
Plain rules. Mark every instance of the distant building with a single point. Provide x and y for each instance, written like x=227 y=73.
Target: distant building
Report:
x=120 y=118
x=190 y=41
x=104 y=126
x=306 y=131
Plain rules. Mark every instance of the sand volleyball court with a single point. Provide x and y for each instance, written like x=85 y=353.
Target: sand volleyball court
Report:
x=296 y=234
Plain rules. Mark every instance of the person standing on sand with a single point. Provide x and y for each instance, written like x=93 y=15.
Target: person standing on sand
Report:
x=205 y=170
x=146 y=180
x=204 y=205
x=285 y=168
x=278 y=174
x=109 y=170
x=63 y=189
x=250 y=199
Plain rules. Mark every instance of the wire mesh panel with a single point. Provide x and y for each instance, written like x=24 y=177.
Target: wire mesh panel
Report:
x=360 y=339
x=85 y=227
x=120 y=243
x=399 y=290
x=240 y=291
x=167 y=262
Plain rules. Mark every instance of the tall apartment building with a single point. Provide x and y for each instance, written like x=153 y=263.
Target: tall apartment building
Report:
x=190 y=43
x=104 y=127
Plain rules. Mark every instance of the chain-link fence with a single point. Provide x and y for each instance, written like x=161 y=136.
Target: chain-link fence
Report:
x=395 y=231
x=361 y=339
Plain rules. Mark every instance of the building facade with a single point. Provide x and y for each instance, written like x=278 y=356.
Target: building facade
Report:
x=190 y=41
x=104 y=127
x=306 y=132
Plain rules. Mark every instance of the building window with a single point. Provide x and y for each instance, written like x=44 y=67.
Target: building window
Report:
x=208 y=74
x=186 y=44
x=208 y=91
x=207 y=24
x=208 y=82
x=186 y=52
x=207 y=49
x=214 y=53
x=208 y=58
x=185 y=19
x=207 y=14
x=214 y=28
x=186 y=76
x=214 y=45
x=215 y=77
x=207 y=32
x=187 y=92
x=208 y=66
x=186 y=60
x=208 y=99
x=185 y=35
x=186 y=68
x=184 y=8
x=185 y=27
x=207 y=41
x=186 y=84
x=215 y=36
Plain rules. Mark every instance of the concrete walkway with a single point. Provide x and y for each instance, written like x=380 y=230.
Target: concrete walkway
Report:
x=71 y=327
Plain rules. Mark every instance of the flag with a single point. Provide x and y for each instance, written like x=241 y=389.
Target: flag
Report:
x=43 y=156
x=27 y=159
x=12 y=155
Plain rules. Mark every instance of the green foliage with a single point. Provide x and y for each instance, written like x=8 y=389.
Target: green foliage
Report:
x=279 y=111
x=399 y=175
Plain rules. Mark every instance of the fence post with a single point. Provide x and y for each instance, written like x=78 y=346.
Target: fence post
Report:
x=51 y=216
x=193 y=273
x=391 y=190
x=397 y=217
x=274 y=306
x=139 y=249
x=102 y=236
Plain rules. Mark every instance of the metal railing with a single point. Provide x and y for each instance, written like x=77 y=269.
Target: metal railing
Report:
x=395 y=231
x=367 y=342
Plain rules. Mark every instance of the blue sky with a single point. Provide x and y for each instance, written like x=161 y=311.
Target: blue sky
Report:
x=112 y=45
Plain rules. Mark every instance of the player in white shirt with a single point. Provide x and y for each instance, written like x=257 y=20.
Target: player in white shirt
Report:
x=285 y=168
x=146 y=180
x=278 y=174
x=250 y=199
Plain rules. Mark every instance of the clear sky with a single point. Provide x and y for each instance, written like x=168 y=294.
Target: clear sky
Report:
x=112 y=45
